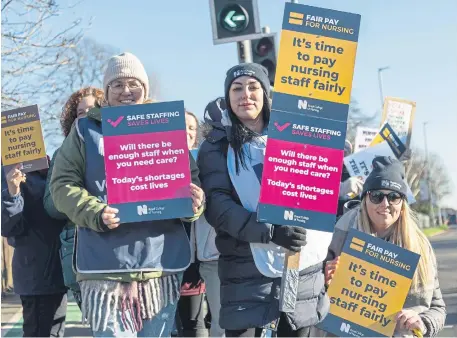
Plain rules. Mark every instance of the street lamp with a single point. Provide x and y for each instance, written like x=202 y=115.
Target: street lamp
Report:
x=380 y=84
x=429 y=183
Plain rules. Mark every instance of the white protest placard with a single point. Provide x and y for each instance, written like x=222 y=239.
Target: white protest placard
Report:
x=359 y=164
x=399 y=114
x=363 y=137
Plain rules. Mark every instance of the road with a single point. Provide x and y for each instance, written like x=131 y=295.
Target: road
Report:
x=445 y=245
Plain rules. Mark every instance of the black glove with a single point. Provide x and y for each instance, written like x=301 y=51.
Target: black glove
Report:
x=289 y=237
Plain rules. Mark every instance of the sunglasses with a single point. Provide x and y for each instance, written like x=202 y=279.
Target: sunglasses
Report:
x=377 y=197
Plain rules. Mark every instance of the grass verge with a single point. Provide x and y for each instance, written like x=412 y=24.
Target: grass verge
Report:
x=432 y=231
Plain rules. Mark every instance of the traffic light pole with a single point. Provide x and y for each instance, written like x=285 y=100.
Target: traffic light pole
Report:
x=244 y=51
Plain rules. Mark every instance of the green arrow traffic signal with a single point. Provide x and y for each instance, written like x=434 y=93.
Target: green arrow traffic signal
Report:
x=231 y=18
x=234 y=18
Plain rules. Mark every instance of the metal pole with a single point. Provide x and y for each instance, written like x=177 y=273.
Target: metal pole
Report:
x=244 y=51
x=380 y=85
x=431 y=211
x=380 y=88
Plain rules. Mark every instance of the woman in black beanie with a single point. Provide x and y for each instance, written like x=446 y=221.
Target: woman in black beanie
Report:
x=252 y=253
x=384 y=212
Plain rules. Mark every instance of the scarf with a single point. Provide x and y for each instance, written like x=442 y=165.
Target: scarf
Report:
x=269 y=258
x=103 y=299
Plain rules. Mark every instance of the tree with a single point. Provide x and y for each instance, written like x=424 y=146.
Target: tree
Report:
x=416 y=176
x=42 y=65
x=358 y=118
x=89 y=60
x=33 y=55
x=415 y=170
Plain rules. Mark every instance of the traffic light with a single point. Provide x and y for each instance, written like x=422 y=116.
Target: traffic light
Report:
x=264 y=53
x=234 y=20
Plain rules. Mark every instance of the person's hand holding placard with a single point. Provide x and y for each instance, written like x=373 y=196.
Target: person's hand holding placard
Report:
x=14 y=178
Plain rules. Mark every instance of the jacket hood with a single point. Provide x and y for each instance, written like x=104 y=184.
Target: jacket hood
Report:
x=215 y=130
x=215 y=120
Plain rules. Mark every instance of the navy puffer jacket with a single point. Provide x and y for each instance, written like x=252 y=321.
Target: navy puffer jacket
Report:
x=248 y=298
x=35 y=238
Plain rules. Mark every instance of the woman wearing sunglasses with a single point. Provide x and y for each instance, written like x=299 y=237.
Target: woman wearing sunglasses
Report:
x=384 y=212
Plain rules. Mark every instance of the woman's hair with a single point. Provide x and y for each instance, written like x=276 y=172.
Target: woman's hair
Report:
x=69 y=111
x=407 y=235
x=149 y=100
x=197 y=138
x=240 y=134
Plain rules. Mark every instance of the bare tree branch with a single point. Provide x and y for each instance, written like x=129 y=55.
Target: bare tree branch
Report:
x=6 y=4
x=416 y=173
x=358 y=118
x=85 y=68
x=33 y=53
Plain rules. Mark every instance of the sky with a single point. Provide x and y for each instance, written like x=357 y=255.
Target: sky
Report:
x=417 y=39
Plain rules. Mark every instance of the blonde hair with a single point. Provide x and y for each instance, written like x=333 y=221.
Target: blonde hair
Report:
x=407 y=235
x=149 y=100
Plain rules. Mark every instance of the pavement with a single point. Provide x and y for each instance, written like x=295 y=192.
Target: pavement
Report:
x=445 y=245
x=12 y=318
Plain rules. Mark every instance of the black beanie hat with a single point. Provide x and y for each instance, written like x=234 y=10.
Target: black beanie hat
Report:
x=259 y=72
x=388 y=173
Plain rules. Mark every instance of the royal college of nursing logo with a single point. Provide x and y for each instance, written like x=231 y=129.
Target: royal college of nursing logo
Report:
x=145 y=210
x=346 y=328
x=304 y=105
x=289 y=215
x=142 y=209
x=242 y=72
x=390 y=184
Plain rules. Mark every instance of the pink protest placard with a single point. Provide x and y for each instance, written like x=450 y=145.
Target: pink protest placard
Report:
x=151 y=166
x=302 y=171
x=147 y=161
x=301 y=176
